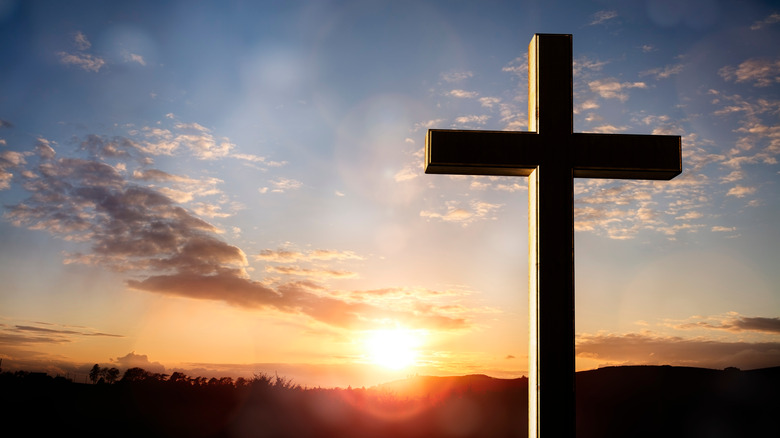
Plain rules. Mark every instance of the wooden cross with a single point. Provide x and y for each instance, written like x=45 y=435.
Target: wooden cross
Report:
x=551 y=155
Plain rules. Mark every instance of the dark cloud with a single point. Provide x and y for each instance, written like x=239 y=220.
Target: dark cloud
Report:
x=299 y=297
x=22 y=334
x=6 y=124
x=650 y=349
x=736 y=323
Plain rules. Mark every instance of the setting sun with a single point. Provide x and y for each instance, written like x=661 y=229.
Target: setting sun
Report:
x=393 y=348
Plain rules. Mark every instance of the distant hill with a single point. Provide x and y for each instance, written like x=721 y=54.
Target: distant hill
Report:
x=636 y=401
x=438 y=387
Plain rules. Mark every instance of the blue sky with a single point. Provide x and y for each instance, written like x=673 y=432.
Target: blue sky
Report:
x=233 y=187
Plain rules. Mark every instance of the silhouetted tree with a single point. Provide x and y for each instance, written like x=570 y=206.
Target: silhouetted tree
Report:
x=94 y=373
x=110 y=374
x=179 y=378
x=136 y=374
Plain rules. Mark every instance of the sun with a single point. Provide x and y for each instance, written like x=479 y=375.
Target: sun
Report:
x=393 y=348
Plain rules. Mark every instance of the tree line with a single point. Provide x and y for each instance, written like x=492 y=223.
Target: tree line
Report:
x=100 y=375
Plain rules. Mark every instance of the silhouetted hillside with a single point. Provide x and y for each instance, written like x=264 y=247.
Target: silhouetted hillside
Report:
x=612 y=402
x=653 y=401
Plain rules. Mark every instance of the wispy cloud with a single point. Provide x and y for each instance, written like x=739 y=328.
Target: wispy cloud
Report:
x=133 y=57
x=464 y=215
x=25 y=333
x=611 y=88
x=769 y=20
x=456 y=76
x=294 y=256
x=602 y=17
x=80 y=57
x=472 y=119
x=83 y=60
x=664 y=72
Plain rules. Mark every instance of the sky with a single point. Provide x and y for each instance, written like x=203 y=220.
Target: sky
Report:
x=231 y=188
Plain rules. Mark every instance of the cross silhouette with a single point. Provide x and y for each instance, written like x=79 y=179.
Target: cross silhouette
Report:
x=551 y=155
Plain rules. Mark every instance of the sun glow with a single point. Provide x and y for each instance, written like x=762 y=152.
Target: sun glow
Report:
x=393 y=348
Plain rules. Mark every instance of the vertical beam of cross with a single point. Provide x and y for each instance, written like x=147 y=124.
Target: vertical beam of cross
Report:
x=551 y=155
x=551 y=242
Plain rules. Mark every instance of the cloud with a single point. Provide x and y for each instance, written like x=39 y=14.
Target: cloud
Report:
x=583 y=63
x=761 y=71
x=194 y=137
x=456 y=76
x=9 y=161
x=6 y=124
x=732 y=322
x=518 y=66
x=769 y=20
x=84 y=61
x=81 y=41
x=320 y=274
x=133 y=57
x=28 y=333
x=647 y=348
x=613 y=89
x=463 y=94
x=740 y=191
x=132 y=360
x=290 y=256
x=281 y=185
x=664 y=72
x=477 y=210
x=472 y=120
x=602 y=17
x=610 y=129
x=297 y=297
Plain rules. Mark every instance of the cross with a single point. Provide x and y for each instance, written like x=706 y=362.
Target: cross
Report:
x=551 y=155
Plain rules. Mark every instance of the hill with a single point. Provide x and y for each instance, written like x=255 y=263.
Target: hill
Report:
x=642 y=401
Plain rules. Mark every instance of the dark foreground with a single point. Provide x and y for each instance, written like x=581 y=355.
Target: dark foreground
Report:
x=611 y=402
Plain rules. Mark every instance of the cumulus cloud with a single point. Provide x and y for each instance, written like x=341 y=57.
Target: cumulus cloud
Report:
x=132 y=360
x=132 y=221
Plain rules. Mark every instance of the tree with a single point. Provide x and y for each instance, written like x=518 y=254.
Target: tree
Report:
x=136 y=374
x=110 y=374
x=94 y=373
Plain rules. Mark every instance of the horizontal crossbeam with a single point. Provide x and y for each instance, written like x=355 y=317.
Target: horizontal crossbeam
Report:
x=518 y=153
